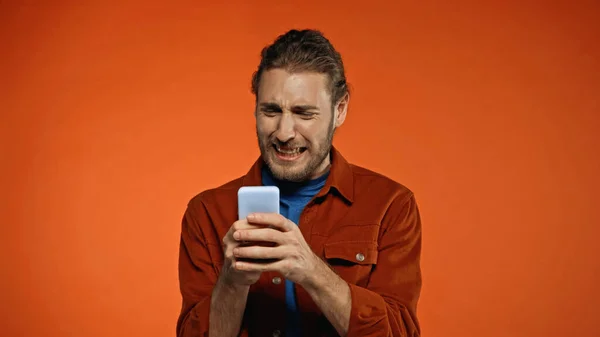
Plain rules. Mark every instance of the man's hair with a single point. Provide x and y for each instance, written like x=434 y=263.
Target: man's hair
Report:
x=304 y=50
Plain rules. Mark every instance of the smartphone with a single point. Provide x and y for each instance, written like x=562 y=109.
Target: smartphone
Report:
x=257 y=199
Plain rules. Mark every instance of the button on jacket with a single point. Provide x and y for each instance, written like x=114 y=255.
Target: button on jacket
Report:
x=365 y=226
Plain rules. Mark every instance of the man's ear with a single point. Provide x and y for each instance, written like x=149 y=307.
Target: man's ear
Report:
x=341 y=110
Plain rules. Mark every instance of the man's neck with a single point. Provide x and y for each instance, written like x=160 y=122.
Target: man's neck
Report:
x=323 y=168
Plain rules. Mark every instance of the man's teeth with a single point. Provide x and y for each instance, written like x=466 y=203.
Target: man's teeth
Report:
x=288 y=151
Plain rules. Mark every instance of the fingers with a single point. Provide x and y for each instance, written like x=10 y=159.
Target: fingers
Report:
x=262 y=235
x=259 y=229
x=259 y=252
x=273 y=220
x=238 y=225
x=243 y=224
x=262 y=267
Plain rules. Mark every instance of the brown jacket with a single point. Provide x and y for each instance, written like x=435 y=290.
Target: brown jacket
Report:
x=366 y=226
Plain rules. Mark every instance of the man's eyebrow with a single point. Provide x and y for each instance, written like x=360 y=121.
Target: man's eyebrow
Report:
x=295 y=108
x=305 y=107
x=270 y=105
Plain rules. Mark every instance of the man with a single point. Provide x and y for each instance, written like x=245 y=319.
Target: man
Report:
x=342 y=258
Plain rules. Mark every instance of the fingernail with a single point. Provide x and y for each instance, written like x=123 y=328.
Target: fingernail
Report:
x=251 y=216
x=236 y=235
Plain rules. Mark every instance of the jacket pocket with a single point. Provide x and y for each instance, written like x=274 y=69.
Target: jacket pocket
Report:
x=352 y=260
x=352 y=252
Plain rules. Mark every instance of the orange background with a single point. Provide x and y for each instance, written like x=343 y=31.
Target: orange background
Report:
x=113 y=116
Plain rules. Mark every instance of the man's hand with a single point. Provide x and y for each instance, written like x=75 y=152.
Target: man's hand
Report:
x=230 y=275
x=294 y=258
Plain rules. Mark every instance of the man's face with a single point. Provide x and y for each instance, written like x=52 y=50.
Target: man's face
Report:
x=295 y=122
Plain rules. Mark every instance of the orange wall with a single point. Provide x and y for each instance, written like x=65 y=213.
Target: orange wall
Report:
x=112 y=117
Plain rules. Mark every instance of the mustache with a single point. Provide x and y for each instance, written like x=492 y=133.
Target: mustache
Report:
x=288 y=144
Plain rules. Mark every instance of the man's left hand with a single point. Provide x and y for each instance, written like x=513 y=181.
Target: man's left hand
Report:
x=294 y=258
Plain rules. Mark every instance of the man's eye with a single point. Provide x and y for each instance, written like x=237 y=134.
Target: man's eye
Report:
x=306 y=115
x=270 y=112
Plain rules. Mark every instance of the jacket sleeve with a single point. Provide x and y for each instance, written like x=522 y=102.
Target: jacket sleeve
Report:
x=197 y=272
x=387 y=305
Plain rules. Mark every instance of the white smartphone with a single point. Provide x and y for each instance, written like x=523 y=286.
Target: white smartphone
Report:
x=257 y=199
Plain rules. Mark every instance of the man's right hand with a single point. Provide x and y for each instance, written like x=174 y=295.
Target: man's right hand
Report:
x=229 y=274
x=230 y=294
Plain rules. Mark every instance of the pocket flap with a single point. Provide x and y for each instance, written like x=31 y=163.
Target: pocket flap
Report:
x=356 y=252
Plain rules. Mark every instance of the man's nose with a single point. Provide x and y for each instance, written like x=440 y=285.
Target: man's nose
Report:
x=286 y=129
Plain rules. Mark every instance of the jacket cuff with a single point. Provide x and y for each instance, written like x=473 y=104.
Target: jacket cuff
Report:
x=199 y=317
x=368 y=316
x=199 y=320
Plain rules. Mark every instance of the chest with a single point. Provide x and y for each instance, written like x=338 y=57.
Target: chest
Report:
x=343 y=235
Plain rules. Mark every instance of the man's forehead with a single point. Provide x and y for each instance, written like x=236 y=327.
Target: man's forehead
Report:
x=278 y=85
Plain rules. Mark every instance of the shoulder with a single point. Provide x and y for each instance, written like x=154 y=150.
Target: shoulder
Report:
x=225 y=193
x=369 y=182
x=215 y=209
x=394 y=203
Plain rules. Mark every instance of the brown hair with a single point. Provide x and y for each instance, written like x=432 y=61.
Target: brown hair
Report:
x=304 y=50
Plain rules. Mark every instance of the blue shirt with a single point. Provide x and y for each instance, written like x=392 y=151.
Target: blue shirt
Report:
x=293 y=198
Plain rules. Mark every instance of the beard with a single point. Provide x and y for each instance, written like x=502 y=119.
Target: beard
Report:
x=296 y=171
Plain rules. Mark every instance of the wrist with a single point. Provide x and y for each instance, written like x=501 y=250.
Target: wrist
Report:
x=319 y=277
x=227 y=285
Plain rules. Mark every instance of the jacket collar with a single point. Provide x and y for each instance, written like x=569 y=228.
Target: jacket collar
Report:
x=340 y=176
